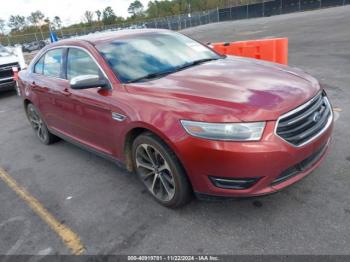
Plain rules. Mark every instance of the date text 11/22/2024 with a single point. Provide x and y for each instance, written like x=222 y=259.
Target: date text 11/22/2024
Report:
x=174 y=258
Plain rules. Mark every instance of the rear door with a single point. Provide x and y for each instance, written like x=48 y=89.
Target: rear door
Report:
x=49 y=84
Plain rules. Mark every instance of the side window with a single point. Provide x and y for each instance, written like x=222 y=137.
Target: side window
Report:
x=52 y=63
x=80 y=63
x=39 y=66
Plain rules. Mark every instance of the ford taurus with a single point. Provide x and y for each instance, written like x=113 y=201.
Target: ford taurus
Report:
x=184 y=118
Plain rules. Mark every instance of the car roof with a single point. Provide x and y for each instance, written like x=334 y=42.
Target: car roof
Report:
x=106 y=37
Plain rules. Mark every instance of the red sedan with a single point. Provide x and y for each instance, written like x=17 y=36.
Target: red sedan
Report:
x=185 y=118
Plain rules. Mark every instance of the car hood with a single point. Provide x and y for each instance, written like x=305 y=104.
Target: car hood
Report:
x=7 y=59
x=246 y=89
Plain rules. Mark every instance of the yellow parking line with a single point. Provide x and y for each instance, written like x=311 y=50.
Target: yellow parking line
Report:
x=70 y=239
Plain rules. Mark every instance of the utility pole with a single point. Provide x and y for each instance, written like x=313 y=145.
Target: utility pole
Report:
x=281 y=6
x=247 y=9
x=263 y=8
x=169 y=27
x=8 y=40
x=41 y=32
x=189 y=12
x=217 y=10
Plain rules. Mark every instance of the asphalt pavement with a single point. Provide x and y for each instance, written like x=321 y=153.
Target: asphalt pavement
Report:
x=111 y=212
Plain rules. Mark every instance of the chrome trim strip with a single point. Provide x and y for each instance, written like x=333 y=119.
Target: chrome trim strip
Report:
x=247 y=180
x=299 y=108
x=303 y=116
x=118 y=117
x=6 y=68
x=6 y=78
x=329 y=121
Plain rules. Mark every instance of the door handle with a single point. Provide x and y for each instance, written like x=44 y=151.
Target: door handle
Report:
x=66 y=92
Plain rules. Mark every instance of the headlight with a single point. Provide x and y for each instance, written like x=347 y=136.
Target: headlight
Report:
x=225 y=131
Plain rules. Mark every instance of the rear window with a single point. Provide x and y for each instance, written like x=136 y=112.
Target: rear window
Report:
x=39 y=66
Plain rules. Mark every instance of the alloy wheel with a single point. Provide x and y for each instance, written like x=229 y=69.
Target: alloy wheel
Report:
x=37 y=124
x=155 y=172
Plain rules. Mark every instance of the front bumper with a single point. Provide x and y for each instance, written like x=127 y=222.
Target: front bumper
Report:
x=7 y=84
x=266 y=160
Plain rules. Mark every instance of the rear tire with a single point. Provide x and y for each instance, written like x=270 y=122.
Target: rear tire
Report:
x=160 y=171
x=39 y=126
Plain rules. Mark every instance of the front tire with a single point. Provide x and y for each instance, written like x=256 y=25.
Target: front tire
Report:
x=160 y=171
x=39 y=126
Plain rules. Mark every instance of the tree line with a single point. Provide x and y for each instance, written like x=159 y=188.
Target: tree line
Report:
x=38 y=23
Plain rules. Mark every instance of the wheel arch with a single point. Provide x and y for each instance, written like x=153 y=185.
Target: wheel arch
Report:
x=136 y=131
x=26 y=102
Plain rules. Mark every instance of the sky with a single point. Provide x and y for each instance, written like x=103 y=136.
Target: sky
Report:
x=70 y=11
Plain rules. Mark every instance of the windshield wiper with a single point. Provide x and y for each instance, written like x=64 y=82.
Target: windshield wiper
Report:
x=197 y=62
x=168 y=72
x=152 y=76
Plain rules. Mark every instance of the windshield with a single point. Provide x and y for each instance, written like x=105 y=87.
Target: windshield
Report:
x=145 y=56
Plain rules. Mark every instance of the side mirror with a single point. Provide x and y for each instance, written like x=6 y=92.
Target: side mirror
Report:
x=87 y=81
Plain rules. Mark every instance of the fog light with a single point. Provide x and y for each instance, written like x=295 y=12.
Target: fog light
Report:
x=234 y=183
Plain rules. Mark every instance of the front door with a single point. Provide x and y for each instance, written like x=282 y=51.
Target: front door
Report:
x=92 y=120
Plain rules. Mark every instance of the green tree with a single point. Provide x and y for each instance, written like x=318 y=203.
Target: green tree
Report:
x=36 y=19
x=17 y=22
x=108 y=16
x=88 y=17
x=135 y=8
x=2 y=26
x=152 y=10
x=98 y=13
x=57 y=22
x=48 y=24
x=157 y=8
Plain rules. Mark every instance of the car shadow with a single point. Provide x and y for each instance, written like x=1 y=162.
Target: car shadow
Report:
x=117 y=173
x=6 y=94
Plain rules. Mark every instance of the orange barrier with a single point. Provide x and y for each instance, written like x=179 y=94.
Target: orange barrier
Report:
x=273 y=50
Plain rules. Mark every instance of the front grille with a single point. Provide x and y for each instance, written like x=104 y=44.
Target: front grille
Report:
x=306 y=122
x=6 y=70
x=300 y=167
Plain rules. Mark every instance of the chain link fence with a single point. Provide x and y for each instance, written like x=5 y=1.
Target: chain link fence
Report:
x=252 y=10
